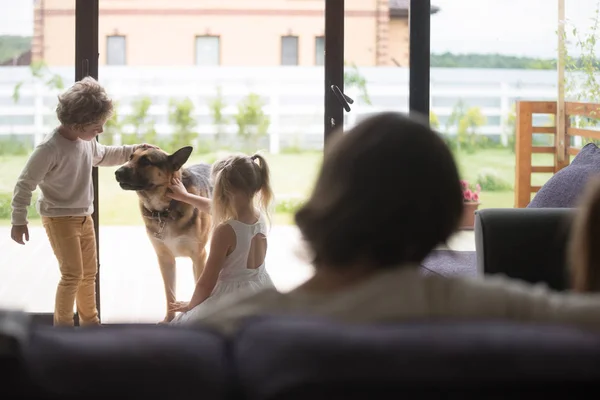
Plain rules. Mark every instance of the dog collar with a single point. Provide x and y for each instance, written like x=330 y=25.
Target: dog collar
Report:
x=159 y=214
x=161 y=217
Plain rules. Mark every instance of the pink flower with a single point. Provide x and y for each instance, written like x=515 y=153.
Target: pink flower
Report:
x=475 y=197
x=464 y=184
x=468 y=195
x=478 y=188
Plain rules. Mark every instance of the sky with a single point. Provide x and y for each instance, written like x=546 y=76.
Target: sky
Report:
x=514 y=27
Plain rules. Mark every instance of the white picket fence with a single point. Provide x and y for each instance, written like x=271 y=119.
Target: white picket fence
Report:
x=293 y=96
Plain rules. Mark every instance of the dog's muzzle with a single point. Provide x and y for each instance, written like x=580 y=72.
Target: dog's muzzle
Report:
x=124 y=177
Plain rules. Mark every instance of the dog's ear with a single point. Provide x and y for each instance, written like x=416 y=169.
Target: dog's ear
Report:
x=180 y=157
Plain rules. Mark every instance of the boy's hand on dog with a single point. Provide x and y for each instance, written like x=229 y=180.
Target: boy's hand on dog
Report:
x=18 y=231
x=177 y=190
x=145 y=146
x=180 y=306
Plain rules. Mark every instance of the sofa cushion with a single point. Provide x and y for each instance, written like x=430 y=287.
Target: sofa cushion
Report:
x=145 y=361
x=295 y=358
x=564 y=188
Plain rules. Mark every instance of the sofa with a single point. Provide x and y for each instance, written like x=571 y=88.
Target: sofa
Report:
x=527 y=244
x=297 y=358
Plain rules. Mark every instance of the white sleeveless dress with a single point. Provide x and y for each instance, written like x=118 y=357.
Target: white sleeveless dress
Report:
x=235 y=278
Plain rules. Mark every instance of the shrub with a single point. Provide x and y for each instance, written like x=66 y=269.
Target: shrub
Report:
x=491 y=182
x=6 y=209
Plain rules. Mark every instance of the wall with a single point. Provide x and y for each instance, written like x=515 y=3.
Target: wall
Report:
x=162 y=33
x=399 y=41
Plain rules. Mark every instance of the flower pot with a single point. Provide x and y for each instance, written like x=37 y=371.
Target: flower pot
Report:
x=468 y=218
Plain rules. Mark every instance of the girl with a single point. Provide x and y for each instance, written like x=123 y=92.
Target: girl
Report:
x=236 y=261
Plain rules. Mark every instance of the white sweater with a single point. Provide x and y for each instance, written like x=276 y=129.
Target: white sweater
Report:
x=405 y=294
x=63 y=170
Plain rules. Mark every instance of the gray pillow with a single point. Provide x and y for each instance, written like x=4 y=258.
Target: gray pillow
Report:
x=565 y=187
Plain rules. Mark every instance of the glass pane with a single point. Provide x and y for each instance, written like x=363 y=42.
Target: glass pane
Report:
x=377 y=70
x=207 y=50
x=37 y=52
x=237 y=97
x=479 y=69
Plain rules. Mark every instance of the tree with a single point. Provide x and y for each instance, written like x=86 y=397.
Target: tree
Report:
x=13 y=46
x=468 y=126
x=467 y=121
x=183 y=121
x=353 y=78
x=141 y=122
x=457 y=113
x=474 y=60
x=581 y=80
x=434 y=121
x=220 y=121
x=253 y=123
x=40 y=73
x=510 y=124
x=112 y=127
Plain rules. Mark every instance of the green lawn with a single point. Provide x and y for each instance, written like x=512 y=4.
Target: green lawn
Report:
x=292 y=176
x=502 y=163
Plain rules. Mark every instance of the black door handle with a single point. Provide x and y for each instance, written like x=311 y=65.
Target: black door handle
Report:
x=344 y=100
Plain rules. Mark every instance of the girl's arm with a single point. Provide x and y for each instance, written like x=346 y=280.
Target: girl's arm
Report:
x=223 y=239
x=180 y=193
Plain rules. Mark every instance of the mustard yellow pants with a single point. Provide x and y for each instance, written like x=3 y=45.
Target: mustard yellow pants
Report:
x=74 y=243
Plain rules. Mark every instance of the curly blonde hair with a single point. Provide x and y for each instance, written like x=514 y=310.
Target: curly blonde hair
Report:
x=83 y=104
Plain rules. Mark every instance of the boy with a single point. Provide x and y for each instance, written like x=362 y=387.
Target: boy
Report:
x=62 y=167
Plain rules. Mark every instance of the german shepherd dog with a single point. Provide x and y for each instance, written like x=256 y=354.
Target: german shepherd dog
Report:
x=175 y=229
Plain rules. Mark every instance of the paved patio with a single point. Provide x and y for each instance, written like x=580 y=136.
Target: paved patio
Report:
x=130 y=282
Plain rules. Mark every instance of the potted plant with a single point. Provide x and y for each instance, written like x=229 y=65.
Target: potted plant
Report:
x=471 y=204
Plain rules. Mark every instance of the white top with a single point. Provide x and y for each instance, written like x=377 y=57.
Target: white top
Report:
x=405 y=293
x=235 y=277
x=235 y=268
x=63 y=170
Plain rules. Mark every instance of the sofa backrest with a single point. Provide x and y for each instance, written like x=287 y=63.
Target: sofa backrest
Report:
x=295 y=358
x=145 y=361
x=276 y=358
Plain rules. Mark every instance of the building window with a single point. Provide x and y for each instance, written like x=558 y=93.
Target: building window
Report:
x=115 y=50
x=208 y=50
x=320 y=50
x=289 y=50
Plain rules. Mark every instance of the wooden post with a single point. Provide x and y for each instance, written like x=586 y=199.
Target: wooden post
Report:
x=523 y=149
x=561 y=156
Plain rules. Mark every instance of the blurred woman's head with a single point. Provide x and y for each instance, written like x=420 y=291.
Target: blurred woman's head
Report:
x=387 y=194
x=584 y=242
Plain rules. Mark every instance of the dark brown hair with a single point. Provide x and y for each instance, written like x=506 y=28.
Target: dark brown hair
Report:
x=584 y=242
x=388 y=192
